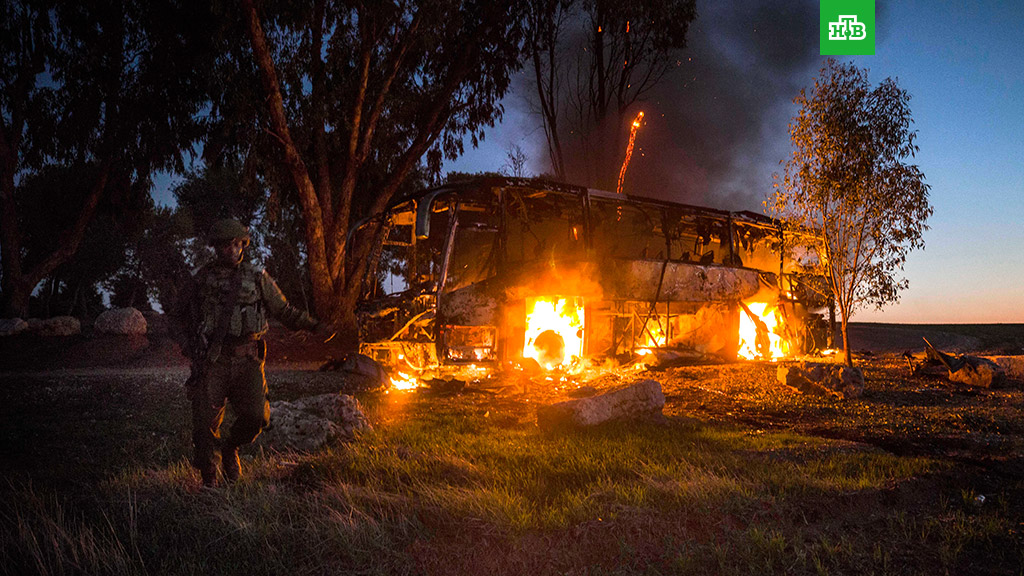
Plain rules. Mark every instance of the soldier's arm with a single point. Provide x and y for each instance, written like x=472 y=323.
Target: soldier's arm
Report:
x=279 y=307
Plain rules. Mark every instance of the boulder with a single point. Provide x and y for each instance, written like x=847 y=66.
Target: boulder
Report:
x=156 y=323
x=121 y=321
x=978 y=372
x=837 y=380
x=311 y=423
x=56 y=326
x=641 y=400
x=1013 y=366
x=12 y=326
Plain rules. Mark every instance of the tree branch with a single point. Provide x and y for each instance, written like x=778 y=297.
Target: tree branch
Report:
x=311 y=208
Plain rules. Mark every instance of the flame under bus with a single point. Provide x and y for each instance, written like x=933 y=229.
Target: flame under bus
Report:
x=499 y=270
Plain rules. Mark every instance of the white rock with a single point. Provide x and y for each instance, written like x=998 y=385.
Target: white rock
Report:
x=837 y=380
x=121 y=321
x=12 y=326
x=56 y=326
x=979 y=372
x=641 y=400
x=311 y=423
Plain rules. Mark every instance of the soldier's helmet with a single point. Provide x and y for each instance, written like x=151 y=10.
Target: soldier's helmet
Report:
x=227 y=230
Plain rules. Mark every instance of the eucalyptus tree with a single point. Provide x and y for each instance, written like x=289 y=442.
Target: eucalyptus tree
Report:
x=113 y=91
x=850 y=179
x=356 y=95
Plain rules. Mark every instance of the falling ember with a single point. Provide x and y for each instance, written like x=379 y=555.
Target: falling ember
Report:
x=554 y=332
x=404 y=382
x=629 y=151
x=760 y=328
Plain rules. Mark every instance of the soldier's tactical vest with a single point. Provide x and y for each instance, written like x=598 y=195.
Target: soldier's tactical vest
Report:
x=248 y=317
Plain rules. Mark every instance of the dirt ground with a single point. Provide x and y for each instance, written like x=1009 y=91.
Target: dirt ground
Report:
x=899 y=413
x=302 y=350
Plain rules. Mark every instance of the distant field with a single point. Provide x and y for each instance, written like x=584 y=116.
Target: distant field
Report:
x=977 y=338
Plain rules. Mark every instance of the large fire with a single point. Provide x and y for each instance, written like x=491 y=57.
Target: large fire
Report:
x=554 y=331
x=761 y=329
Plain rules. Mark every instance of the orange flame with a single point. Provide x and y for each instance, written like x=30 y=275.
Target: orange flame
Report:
x=761 y=329
x=404 y=382
x=629 y=151
x=652 y=336
x=554 y=331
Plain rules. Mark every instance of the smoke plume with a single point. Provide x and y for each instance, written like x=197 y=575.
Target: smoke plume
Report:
x=716 y=126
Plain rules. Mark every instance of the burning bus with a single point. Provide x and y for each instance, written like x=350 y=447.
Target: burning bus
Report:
x=505 y=271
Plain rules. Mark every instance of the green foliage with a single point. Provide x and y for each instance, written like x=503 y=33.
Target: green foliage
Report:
x=849 y=180
x=108 y=92
x=348 y=104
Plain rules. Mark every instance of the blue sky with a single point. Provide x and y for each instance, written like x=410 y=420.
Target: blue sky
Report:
x=963 y=64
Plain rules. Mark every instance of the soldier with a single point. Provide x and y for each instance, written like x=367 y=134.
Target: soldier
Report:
x=224 y=316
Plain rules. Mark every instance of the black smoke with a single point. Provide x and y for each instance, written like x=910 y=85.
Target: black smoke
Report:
x=717 y=126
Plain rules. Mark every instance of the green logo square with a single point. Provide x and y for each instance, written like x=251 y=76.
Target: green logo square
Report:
x=847 y=27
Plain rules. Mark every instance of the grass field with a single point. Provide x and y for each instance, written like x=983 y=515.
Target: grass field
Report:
x=740 y=477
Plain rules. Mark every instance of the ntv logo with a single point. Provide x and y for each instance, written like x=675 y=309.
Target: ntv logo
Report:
x=847 y=28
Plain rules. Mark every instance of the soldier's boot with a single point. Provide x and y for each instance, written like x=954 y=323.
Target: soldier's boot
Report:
x=209 y=477
x=230 y=464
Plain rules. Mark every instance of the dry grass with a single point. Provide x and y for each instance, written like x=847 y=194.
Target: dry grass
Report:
x=743 y=477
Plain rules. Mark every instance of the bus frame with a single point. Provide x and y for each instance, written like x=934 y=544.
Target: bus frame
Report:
x=452 y=284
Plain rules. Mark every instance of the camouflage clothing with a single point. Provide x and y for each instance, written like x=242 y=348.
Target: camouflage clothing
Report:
x=258 y=296
x=233 y=370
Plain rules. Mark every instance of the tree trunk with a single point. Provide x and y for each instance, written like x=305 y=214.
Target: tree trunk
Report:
x=320 y=272
x=15 y=299
x=846 y=341
x=831 y=323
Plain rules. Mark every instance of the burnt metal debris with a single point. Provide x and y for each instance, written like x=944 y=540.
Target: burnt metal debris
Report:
x=462 y=266
x=964 y=369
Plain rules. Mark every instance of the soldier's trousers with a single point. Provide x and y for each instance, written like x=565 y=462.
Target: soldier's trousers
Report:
x=237 y=377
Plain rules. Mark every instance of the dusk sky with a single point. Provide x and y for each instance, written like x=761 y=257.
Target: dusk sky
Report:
x=963 y=65
x=726 y=110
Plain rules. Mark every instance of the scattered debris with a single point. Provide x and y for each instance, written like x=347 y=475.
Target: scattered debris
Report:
x=641 y=400
x=363 y=373
x=447 y=387
x=838 y=380
x=924 y=366
x=585 y=391
x=658 y=359
x=973 y=371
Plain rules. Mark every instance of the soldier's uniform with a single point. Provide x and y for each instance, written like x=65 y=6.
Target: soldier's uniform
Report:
x=232 y=370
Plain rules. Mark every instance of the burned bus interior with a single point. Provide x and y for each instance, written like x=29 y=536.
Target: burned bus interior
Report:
x=504 y=271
